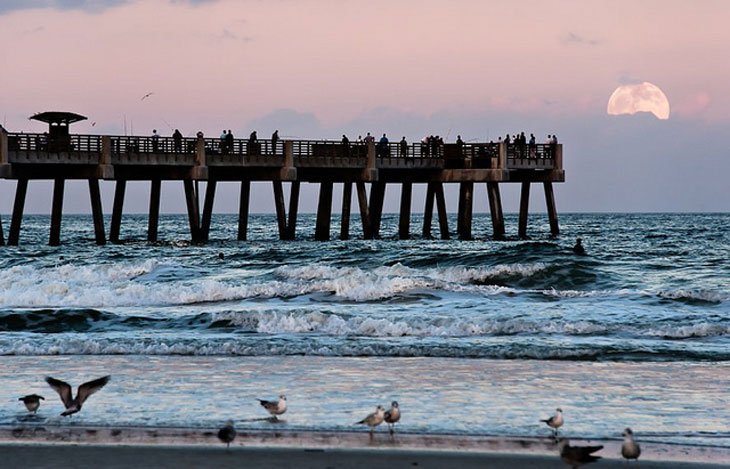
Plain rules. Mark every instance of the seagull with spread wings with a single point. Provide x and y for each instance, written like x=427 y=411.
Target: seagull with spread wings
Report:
x=73 y=404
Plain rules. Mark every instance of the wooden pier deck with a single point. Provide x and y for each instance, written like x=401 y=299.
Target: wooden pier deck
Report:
x=25 y=157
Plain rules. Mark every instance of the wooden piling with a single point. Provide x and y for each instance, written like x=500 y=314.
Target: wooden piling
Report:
x=428 y=210
x=345 y=212
x=291 y=225
x=96 y=212
x=154 y=215
x=116 y=223
x=192 y=206
x=552 y=212
x=441 y=208
x=377 y=197
x=324 y=212
x=466 y=207
x=207 y=210
x=56 y=212
x=243 y=203
x=404 y=221
x=524 y=209
x=280 y=208
x=495 y=210
x=18 y=206
x=362 y=200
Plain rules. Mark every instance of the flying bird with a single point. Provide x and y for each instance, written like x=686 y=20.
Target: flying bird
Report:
x=275 y=408
x=73 y=404
x=374 y=419
x=227 y=434
x=32 y=402
x=556 y=421
x=147 y=95
x=630 y=449
x=575 y=456
x=392 y=416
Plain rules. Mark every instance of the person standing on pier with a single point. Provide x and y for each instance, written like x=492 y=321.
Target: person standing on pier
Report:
x=383 y=146
x=274 y=139
x=252 y=143
x=345 y=146
x=155 y=141
x=229 y=141
x=460 y=146
x=177 y=141
x=223 y=145
x=403 y=147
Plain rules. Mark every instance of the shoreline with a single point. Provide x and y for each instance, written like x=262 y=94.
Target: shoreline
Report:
x=36 y=446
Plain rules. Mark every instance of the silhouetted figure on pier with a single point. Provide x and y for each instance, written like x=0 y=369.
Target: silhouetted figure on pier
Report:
x=177 y=141
x=507 y=139
x=578 y=249
x=274 y=140
x=460 y=145
x=222 y=144
x=403 y=147
x=155 y=141
x=345 y=145
x=532 y=146
x=369 y=138
x=229 y=141
x=252 y=147
x=253 y=138
x=382 y=149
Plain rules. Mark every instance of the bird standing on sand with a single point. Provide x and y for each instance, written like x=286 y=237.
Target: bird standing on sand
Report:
x=32 y=402
x=630 y=449
x=392 y=416
x=576 y=456
x=275 y=408
x=73 y=404
x=374 y=419
x=227 y=434
x=556 y=421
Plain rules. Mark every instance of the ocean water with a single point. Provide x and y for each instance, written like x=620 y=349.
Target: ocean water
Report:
x=473 y=337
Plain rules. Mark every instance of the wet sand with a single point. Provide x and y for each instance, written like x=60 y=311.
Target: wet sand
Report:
x=116 y=447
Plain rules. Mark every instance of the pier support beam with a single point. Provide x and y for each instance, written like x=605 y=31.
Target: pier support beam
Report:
x=243 y=210
x=428 y=211
x=362 y=200
x=154 y=215
x=552 y=212
x=56 y=212
x=404 y=222
x=345 y=217
x=324 y=212
x=116 y=224
x=191 y=199
x=18 y=206
x=377 y=197
x=96 y=212
x=495 y=210
x=291 y=225
x=441 y=207
x=2 y=236
x=280 y=208
x=524 y=209
x=466 y=207
x=207 y=210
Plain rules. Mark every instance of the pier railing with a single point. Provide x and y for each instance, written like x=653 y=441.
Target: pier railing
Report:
x=87 y=149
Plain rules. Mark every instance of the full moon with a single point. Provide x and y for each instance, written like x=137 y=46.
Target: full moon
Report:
x=644 y=97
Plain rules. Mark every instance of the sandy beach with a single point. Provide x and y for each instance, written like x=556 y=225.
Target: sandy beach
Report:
x=38 y=447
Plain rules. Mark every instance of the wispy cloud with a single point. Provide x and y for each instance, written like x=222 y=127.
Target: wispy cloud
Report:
x=572 y=38
x=91 y=6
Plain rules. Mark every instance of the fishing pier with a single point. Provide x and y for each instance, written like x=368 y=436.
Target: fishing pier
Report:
x=60 y=156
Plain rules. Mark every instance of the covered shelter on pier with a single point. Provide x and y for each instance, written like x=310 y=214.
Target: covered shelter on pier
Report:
x=58 y=122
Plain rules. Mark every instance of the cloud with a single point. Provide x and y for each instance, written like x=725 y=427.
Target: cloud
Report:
x=572 y=38
x=90 y=6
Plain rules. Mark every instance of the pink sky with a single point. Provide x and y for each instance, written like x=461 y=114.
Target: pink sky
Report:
x=318 y=68
x=223 y=62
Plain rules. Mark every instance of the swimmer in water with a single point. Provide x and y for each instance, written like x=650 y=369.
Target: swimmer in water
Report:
x=578 y=249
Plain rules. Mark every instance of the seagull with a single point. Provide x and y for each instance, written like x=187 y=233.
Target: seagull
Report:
x=392 y=416
x=147 y=95
x=374 y=419
x=32 y=402
x=72 y=404
x=576 y=456
x=556 y=421
x=227 y=434
x=630 y=449
x=274 y=407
